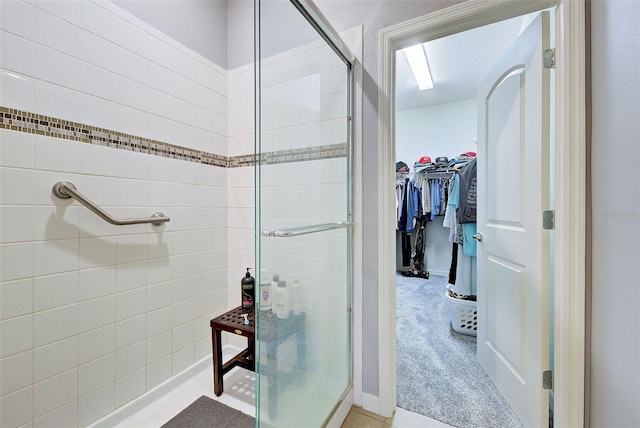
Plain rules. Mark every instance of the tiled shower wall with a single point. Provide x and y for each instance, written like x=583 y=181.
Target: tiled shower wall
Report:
x=94 y=315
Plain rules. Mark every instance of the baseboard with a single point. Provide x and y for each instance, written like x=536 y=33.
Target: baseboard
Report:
x=371 y=403
x=436 y=272
x=150 y=396
x=342 y=411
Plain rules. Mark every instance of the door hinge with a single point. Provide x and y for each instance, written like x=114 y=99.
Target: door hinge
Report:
x=547 y=379
x=549 y=58
x=549 y=220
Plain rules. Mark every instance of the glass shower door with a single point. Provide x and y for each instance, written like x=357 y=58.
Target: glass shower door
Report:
x=303 y=215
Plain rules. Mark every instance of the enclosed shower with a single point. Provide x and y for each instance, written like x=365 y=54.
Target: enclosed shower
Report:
x=248 y=166
x=303 y=213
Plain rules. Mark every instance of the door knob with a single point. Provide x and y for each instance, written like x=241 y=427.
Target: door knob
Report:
x=478 y=236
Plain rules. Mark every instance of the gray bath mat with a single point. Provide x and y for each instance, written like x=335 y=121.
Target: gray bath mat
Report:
x=208 y=413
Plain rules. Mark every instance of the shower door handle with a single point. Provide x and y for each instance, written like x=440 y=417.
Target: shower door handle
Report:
x=304 y=230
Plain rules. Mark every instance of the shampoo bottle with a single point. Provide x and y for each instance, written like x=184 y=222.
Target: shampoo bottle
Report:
x=248 y=290
x=295 y=297
x=274 y=294
x=266 y=295
x=282 y=299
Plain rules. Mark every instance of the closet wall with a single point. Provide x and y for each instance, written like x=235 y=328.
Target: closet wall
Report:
x=441 y=130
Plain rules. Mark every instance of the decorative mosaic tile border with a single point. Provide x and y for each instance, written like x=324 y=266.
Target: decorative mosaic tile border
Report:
x=31 y=123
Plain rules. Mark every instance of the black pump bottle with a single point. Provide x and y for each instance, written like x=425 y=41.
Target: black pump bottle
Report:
x=248 y=290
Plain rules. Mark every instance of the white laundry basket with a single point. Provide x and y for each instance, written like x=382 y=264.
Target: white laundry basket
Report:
x=464 y=315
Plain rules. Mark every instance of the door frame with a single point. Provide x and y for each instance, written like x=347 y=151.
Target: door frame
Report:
x=570 y=188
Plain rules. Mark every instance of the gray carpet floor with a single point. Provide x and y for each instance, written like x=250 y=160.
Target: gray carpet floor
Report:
x=208 y=413
x=438 y=374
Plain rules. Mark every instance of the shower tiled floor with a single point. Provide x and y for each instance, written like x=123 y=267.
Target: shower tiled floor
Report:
x=239 y=393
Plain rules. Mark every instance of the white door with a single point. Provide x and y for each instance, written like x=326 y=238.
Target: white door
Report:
x=513 y=190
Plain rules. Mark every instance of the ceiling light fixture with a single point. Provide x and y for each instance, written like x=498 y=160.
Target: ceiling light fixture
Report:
x=419 y=66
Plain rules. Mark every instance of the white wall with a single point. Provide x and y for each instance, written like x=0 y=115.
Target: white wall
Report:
x=94 y=315
x=442 y=130
x=615 y=339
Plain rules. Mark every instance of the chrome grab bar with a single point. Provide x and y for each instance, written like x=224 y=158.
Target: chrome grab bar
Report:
x=66 y=190
x=304 y=230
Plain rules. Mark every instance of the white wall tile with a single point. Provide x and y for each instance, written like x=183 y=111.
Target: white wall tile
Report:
x=97 y=404
x=16 y=409
x=55 y=222
x=99 y=282
x=97 y=252
x=131 y=248
x=55 y=358
x=96 y=313
x=16 y=372
x=96 y=374
x=17 y=149
x=50 y=99
x=129 y=387
x=56 y=67
x=17 y=91
x=132 y=193
x=183 y=312
x=65 y=416
x=159 y=51
x=16 y=261
x=16 y=335
x=205 y=75
x=184 y=288
x=158 y=372
x=183 y=88
x=106 y=24
x=159 y=346
x=16 y=186
x=55 y=256
x=131 y=331
x=96 y=343
x=55 y=392
x=206 y=98
x=96 y=160
x=55 y=324
x=58 y=34
x=159 y=295
x=184 y=265
x=202 y=348
x=55 y=154
x=159 y=194
x=183 y=64
x=131 y=359
x=131 y=276
x=19 y=18
x=16 y=298
x=52 y=291
x=159 y=321
x=131 y=303
x=158 y=271
x=68 y=10
x=221 y=84
x=183 y=358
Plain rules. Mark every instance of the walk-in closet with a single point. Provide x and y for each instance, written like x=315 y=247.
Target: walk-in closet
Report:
x=438 y=374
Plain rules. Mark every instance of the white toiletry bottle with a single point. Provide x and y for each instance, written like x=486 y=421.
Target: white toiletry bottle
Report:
x=282 y=300
x=274 y=294
x=295 y=297
x=266 y=295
